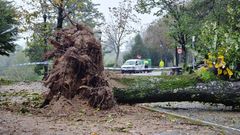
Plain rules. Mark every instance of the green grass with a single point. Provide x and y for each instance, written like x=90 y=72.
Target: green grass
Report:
x=5 y=82
x=160 y=82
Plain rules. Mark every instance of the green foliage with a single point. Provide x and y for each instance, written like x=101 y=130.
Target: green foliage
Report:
x=35 y=51
x=109 y=65
x=37 y=46
x=237 y=74
x=206 y=75
x=215 y=23
x=23 y=110
x=25 y=73
x=109 y=59
x=140 y=89
x=85 y=11
x=8 y=30
x=81 y=10
x=160 y=82
x=176 y=16
x=221 y=37
x=158 y=43
x=155 y=55
x=14 y=58
x=138 y=48
x=5 y=82
x=10 y=71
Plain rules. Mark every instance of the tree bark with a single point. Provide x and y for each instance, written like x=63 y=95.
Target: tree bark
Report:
x=227 y=93
x=60 y=17
x=117 y=57
x=184 y=56
x=45 y=67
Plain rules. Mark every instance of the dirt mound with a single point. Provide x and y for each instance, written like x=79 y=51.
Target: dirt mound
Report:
x=63 y=107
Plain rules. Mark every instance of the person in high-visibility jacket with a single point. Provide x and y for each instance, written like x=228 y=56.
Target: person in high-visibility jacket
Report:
x=161 y=64
x=146 y=63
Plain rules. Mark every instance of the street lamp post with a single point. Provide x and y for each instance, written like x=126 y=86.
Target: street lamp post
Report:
x=193 y=58
x=177 y=56
x=45 y=36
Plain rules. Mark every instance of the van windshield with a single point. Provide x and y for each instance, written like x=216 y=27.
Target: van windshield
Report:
x=130 y=63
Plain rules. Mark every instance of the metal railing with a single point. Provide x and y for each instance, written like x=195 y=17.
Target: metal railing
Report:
x=106 y=68
x=150 y=69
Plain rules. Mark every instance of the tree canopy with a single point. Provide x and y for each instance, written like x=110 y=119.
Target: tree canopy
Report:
x=138 y=48
x=177 y=19
x=8 y=29
x=214 y=23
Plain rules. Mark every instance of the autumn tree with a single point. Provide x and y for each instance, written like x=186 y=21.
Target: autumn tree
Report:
x=179 y=21
x=219 y=32
x=10 y=71
x=158 y=42
x=120 y=26
x=83 y=11
x=37 y=46
x=8 y=27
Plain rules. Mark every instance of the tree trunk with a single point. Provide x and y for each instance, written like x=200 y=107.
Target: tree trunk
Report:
x=226 y=93
x=45 y=67
x=117 y=57
x=176 y=56
x=60 y=17
x=184 y=57
x=78 y=68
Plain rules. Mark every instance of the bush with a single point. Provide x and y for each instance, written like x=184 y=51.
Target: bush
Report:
x=159 y=82
x=109 y=65
x=206 y=75
x=5 y=82
x=25 y=73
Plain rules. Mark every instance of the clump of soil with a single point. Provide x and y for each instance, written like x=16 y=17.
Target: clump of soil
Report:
x=78 y=69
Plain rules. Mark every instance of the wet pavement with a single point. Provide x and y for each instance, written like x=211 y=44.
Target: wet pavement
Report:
x=217 y=114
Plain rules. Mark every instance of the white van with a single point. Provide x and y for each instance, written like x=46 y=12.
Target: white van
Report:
x=133 y=66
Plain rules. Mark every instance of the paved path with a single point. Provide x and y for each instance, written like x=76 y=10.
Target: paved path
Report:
x=217 y=114
x=154 y=73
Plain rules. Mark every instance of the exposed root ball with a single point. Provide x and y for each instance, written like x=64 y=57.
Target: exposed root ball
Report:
x=78 y=68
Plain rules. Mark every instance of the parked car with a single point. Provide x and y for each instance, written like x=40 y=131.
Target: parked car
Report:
x=133 y=66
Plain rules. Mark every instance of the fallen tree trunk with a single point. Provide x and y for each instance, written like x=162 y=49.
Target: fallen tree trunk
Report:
x=227 y=93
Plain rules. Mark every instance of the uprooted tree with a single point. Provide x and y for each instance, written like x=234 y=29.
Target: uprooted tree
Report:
x=226 y=93
x=78 y=68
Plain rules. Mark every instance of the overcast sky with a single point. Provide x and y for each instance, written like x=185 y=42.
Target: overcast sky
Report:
x=105 y=4
x=146 y=19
